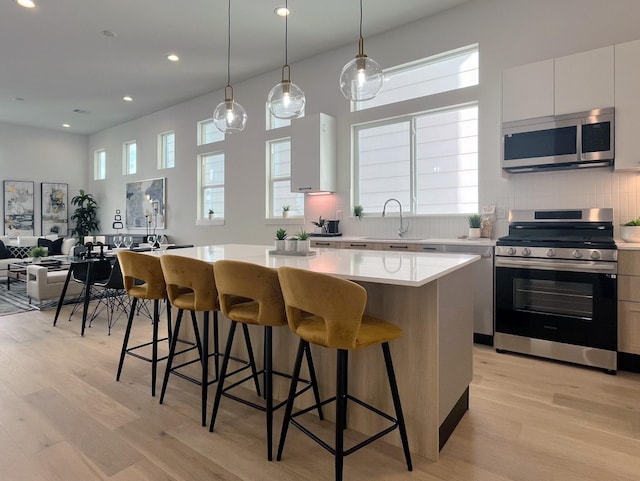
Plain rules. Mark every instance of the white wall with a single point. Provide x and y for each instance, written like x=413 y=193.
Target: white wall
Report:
x=509 y=32
x=43 y=156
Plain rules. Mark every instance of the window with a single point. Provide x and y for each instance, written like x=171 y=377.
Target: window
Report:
x=208 y=132
x=428 y=161
x=279 y=164
x=212 y=184
x=451 y=70
x=167 y=150
x=99 y=165
x=129 y=162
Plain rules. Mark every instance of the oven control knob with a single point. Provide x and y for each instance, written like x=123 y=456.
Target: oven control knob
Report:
x=551 y=252
x=595 y=254
x=526 y=251
x=511 y=251
x=577 y=254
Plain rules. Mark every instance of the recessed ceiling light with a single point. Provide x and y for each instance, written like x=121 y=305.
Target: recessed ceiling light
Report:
x=282 y=11
x=66 y=126
x=26 y=3
x=126 y=98
x=173 y=58
x=18 y=99
x=109 y=33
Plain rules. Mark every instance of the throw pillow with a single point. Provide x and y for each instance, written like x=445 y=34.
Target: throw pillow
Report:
x=4 y=252
x=54 y=247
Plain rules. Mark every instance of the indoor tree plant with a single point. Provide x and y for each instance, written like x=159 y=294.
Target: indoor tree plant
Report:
x=85 y=216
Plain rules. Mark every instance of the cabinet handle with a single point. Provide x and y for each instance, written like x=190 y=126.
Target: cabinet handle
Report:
x=305 y=188
x=392 y=246
x=357 y=245
x=322 y=244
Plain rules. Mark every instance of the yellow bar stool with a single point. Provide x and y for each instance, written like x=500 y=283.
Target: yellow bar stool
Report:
x=250 y=294
x=191 y=286
x=329 y=312
x=143 y=280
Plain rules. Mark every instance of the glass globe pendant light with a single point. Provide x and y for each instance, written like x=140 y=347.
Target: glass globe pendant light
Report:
x=361 y=78
x=229 y=116
x=286 y=100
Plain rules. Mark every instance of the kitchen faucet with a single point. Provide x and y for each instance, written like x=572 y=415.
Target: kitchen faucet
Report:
x=401 y=230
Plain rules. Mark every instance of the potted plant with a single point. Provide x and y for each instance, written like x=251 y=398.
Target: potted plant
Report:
x=357 y=211
x=281 y=235
x=85 y=216
x=291 y=244
x=631 y=231
x=303 y=243
x=475 y=221
x=211 y=214
x=320 y=225
x=285 y=211
x=37 y=253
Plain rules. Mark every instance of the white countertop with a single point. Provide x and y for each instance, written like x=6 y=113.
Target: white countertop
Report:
x=412 y=240
x=627 y=246
x=384 y=267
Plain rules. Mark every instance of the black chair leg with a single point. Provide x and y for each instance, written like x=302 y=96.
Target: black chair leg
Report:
x=172 y=350
x=252 y=361
x=125 y=342
x=216 y=344
x=295 y=376
x=154 y=346
x=223 y=373
x=341 y=410
x=268 y=387
x=314 y=380
x=396 y=402
x=205 y=366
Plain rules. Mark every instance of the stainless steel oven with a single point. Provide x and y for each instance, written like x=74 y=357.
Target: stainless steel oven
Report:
x=556 y=287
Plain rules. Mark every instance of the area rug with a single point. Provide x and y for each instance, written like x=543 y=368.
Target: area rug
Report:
x=16 y=300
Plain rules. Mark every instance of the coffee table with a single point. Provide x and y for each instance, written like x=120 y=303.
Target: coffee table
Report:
x=20 y=268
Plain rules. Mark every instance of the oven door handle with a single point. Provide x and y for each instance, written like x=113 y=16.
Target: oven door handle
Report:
x=583 y=266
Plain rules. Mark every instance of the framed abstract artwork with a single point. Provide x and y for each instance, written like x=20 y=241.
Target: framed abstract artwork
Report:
x=18 y=207
x=54 y=212
x=145 y=204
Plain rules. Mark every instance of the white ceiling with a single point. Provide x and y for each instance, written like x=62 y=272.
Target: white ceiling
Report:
x=56 y=58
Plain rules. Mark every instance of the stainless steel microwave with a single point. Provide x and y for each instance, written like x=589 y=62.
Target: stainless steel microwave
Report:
x=583 y=139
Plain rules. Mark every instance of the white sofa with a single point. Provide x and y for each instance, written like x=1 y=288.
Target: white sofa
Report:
x=21 y=246
x=43 y=284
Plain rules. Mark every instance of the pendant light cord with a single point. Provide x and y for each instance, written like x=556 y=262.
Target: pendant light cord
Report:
x=229 y=45
x=286 y=33
x=360 y=19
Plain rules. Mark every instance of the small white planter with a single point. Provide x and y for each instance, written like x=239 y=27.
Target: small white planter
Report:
x=474 y=232
x=212 y=216
x=280 y=244
x=291 y=245
x=630 y=233
x=285 y=214
x=304 y=245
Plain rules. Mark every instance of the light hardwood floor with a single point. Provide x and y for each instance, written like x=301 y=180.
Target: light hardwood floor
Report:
x=64 y=417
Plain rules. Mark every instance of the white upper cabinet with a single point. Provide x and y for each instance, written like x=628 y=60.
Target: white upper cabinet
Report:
x=584 y=81
x=313 y=154
x=564 y=85
x=627 y=56
x=527 y=91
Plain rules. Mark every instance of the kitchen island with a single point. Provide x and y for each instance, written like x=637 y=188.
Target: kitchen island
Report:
x=428 y=295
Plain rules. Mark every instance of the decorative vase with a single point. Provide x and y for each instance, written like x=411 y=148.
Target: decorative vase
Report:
x=280 y=244
x=212 y=216
x=474 y=232
x=319 y=230
x=285 y=214
x=304 y=245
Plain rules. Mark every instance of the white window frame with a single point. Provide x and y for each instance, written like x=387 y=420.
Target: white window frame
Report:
x=129 y=163
x=295 y=200
x=420 y=84
x=167 y=150
x=204 y=185
x=100 y=164
x=410 y=204
x=203 y=127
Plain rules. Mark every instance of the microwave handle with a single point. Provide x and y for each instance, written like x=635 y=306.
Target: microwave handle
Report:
x=581 y=155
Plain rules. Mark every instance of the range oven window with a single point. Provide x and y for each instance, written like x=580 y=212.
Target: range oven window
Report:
x=553 y=297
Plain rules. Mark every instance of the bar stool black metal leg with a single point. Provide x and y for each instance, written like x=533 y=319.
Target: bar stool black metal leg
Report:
x=172 y=350
x=396 y=402
x=292 y=394
x=223 y=373
x=341 y=410
x=154 y=347
x=196 y=332
x=314 y=380
x=216 y=344
x=205 y=366
x=268 y=387
x=252 y=361
x=125 y=342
